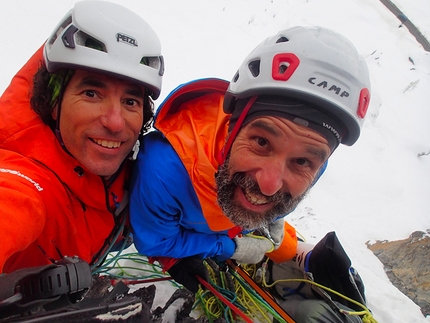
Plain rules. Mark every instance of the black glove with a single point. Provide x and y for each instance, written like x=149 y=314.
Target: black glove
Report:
x=185 y=271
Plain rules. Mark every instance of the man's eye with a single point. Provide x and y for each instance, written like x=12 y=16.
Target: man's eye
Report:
x=302 y=162
x=261 y=142
x=131 y=102
x=90 y=93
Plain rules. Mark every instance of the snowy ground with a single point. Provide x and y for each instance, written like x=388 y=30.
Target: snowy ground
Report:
x=376 y=190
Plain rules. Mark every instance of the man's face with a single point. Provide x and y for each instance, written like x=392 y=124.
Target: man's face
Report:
x=271 y=166
x=100 y=120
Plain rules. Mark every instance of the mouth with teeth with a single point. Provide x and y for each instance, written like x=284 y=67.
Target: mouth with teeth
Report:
x=107 y=143
x=254 y=198
x=241 y=200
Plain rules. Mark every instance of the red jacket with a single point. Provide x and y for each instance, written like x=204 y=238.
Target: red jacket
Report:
x=49 y=207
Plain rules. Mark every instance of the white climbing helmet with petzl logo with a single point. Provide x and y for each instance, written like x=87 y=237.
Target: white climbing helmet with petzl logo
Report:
x=313 y=65
x=108 y=38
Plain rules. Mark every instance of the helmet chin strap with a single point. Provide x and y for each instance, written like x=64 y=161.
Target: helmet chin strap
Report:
x=225 y=150
x=60 y=140
x=57 y=126
x=57 y=84
x=57 y=122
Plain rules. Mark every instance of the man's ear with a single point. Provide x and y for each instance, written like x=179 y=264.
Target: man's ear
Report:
x=55 y=112
x=320 y=172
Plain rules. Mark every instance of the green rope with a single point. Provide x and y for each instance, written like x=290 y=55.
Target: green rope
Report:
x=241 y=294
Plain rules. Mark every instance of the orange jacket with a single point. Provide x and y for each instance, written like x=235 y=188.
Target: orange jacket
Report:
x=49 y=209
x=193 y=121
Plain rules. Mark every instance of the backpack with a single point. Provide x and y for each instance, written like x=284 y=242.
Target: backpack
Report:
x=326 y=264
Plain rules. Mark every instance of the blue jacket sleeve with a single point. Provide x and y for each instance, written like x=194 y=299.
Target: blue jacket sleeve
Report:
x=165 y=212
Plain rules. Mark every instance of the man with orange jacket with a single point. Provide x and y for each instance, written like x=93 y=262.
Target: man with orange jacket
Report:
x=70 y=120
x=230 y=160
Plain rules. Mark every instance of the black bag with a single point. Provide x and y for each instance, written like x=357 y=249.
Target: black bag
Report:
x=330 y=266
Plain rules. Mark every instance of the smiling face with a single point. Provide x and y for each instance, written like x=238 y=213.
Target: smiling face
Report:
x=271 y=166
x=100 y=120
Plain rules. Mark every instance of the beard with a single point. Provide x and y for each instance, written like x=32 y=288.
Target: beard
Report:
x=283 y=203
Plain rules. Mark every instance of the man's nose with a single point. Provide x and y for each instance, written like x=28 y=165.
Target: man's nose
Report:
x=270 y=178
x=112 y=117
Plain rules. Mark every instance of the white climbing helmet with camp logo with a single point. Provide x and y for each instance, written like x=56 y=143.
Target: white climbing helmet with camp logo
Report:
x=311 y=64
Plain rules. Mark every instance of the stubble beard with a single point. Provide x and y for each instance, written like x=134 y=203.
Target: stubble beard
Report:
x=283 y=203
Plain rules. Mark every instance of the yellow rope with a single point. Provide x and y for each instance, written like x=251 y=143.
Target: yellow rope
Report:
x=367 y=316
x=254 y=236
x=212 y=306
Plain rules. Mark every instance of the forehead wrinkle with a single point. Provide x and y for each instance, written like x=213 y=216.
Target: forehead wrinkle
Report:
x=260 y=124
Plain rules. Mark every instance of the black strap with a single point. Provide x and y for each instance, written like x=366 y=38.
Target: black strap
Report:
x=70 y=276
x=28 y=288
x=121 y=227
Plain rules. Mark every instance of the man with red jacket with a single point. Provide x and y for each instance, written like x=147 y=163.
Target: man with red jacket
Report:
x=70 y=120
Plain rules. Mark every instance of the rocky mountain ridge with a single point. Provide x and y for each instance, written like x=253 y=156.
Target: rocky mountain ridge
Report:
x=407 y=264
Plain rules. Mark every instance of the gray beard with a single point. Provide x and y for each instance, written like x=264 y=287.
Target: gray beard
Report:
x=240 y=216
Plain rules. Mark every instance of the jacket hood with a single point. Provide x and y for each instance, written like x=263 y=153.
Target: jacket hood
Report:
x=187 y=92
x=24 y=132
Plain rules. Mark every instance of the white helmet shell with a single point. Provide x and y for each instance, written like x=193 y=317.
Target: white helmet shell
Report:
x=108 y=38
x=312 y=64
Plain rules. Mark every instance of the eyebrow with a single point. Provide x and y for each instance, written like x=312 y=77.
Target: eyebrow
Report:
x=321 y=153
x=260 y=124
x=131 y=89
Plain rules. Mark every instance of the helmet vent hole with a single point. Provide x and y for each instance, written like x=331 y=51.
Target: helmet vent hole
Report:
x=254 y=67
x=283 y=67
x=155 y=62
x=86 y=40
x=60 y=29
x=282 y=40
x=236 y=77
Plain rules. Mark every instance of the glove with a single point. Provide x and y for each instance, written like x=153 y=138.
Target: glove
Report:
x=250 y=249
x=276 y=232
x=185 y=271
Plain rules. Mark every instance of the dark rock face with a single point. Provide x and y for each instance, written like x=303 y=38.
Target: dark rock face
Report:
x=407 y=264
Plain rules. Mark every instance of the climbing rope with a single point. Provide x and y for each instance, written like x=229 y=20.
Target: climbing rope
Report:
x=236 y=291
x=226 y=295
x=132 y=268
